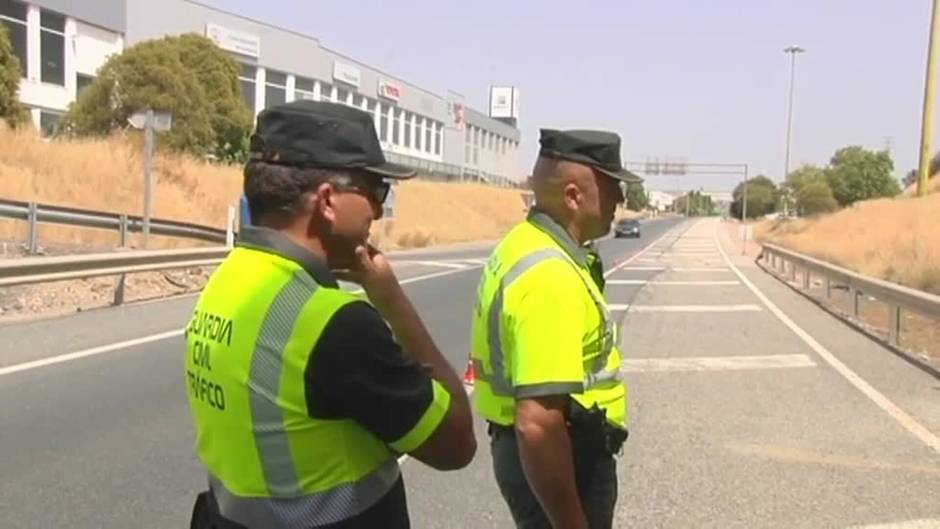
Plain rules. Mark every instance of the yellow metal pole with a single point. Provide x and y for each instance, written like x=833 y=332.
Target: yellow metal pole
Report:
x=930 y=90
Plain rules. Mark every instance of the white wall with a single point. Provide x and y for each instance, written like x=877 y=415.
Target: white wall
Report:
x=92 y=46
x=87 y=47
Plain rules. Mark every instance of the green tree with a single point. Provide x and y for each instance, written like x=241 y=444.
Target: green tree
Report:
x=187 y=76
x=218 y=72
x=637 y=199
x=762 y=197
x=857 y=174
x=11 y=110
x=815 y=197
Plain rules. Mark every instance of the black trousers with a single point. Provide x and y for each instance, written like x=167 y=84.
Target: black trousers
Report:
x=596 y=476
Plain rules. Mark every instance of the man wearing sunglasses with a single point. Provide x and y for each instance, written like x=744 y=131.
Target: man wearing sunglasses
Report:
x=302 y=398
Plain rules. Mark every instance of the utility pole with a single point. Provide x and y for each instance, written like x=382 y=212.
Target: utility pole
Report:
x=926 y=136
x=792 y=50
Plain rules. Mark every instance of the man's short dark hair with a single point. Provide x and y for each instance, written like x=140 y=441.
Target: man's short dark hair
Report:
x=272 y=187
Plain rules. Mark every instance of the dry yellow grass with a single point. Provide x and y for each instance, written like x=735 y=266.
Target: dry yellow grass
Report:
x=107 y=174
x=893 y=239
x=428 y=213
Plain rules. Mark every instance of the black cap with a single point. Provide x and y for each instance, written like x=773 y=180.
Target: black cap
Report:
x=597 y=148
x=324 y=135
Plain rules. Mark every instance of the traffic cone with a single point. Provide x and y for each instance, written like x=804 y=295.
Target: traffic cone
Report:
x=470 y=375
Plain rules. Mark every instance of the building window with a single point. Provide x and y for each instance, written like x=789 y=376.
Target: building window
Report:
x=48 y=122
x=468 y=137
x=383 y=124
x=502 y=145
x=13 y=18
x=52 y=47
x=357 y=100
x=419 y=123
x=275 y=88
x=476 y=146
x=247 y=81
x=440 y=138
x=342 y=96
x=303 y=88
x=326 y=92
x=396 y=130
x=82 y=82
x=428 y=131
x=407 y=117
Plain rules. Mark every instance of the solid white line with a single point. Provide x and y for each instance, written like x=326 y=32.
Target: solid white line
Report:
x=26 y=366
x=35 y=364
x=686 y=308
x=672 y=283
x=442 y=264
x=637 y=255
x=643 y=268
x=701 y=269
x=716 y=363
x=933 y=523
x=899 y=415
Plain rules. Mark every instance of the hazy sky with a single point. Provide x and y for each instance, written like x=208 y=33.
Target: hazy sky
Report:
x=704 y=80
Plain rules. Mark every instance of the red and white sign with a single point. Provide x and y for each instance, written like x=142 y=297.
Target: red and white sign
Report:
x=389 y=90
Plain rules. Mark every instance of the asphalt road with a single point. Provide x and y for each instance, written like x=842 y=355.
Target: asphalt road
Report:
x=749 y=406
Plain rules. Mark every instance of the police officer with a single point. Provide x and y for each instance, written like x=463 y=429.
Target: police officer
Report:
x=302 y=399
x=544 y=346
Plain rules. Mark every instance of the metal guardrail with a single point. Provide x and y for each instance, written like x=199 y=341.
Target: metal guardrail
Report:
x=29 y=270
x=34 y=213
x=898 y=298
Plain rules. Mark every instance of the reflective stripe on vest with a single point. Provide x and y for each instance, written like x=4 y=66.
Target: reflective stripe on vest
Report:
x=269 y=463
x=328 y=507
x=499 y=381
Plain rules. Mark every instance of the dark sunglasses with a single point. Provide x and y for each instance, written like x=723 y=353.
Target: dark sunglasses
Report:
x=375 y=191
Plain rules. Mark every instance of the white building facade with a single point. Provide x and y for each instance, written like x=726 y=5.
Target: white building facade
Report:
x=63 y=43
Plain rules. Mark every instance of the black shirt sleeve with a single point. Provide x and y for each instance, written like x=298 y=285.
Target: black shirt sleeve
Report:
x=357 y=371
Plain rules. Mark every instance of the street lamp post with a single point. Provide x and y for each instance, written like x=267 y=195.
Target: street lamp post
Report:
x=930 y=83
x=792 y=50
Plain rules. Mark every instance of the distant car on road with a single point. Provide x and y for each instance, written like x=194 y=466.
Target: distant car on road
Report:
x=627 y=228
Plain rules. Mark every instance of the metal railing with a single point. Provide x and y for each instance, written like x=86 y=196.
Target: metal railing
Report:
x=29 y=270
x=786 y=263
x=34 y=214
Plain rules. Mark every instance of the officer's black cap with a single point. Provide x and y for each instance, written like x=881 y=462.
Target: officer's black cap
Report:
x=316 y=134
x=597 y=148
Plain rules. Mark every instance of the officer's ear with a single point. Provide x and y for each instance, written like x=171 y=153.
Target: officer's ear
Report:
x=323 y=202
x=573 y=196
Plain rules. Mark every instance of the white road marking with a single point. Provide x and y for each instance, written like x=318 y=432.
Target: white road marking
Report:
x=933 y=523
x=638 y=255
x=685 y=308
x=672 y=283
x=899 y=415
x=715 y=363
x=699 y=269
x=442 y=264
x=26 y=366
x=643 y=268
x=35 y=364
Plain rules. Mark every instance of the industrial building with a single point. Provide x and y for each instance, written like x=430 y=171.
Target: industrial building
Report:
x=62 y=43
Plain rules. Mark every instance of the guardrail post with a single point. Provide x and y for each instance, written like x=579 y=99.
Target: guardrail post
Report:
x=793 y=271
x=230 y=228
x=122 y=230
x=894 y=324
x=853 y=293
x=806 y=278
x=32 y=234
x=119 y=290
x=828 y=287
